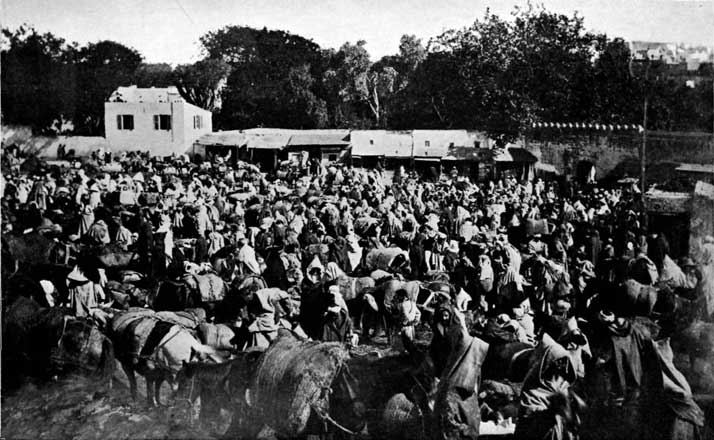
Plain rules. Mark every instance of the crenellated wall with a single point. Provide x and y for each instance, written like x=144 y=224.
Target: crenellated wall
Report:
x=606 y=151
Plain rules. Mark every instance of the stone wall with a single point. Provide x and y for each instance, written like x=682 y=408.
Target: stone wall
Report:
x=614 y=152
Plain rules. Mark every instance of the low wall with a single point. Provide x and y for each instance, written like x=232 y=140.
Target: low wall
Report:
x=46 y=146
x=615 y=152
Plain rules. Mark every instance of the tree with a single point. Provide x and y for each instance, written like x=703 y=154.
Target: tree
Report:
x=359 y=84
x=258 y=89
x=102 y=67
x=411 y=54
x=38 y=79
x=306 y=109
x=154 y=75
x=201 y=83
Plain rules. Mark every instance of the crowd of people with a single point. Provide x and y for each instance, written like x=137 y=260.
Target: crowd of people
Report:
x=520 y=258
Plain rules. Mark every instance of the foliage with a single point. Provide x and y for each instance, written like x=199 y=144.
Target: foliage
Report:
x=154 y=75
x=200 y=83
x=101 y=67
x=496 y=75
x=272 y=78
x=38 y=79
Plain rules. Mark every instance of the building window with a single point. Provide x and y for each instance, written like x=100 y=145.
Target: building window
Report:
x=477 y=144
x=162 y=122
x=197 y=122
x=451 y=145
x=332 y=157
x=125 y=122
x=426 y=143
x=371 y=141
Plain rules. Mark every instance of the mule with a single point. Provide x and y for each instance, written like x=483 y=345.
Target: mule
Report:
x=218 y=386
x=43 y=342
x=155 y=350
x=205 y=291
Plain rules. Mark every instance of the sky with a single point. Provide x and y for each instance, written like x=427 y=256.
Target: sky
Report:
x=169 y=30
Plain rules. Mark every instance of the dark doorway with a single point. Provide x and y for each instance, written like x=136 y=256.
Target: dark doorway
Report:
x=675 y=228
x=583 y=170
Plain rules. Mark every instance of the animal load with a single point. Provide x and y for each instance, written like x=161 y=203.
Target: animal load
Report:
x=363 y=224
x=188 y=319
x=290 y=382
x=534 y=227
x=29 y=249
x=210 y=286
x=155 y=349
x=386 y=259
x=218 y=336
x=122 y=320
x=124 y=294
x=46 y=340
x=82 y=347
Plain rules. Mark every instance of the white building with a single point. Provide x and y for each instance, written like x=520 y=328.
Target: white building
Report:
x=157 y=119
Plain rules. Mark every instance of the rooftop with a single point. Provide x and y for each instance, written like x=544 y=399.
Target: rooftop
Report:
x=153 y=94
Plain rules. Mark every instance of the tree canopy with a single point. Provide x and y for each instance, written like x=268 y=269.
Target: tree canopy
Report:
x=497 y=75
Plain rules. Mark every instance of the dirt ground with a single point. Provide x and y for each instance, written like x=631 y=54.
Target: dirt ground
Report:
x=78 y=408
x=81 y=409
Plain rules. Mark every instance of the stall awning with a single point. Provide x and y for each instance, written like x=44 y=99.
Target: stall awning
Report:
x=319 y=139
x=428 y=159
x=520 y=155
x=666 y=202
x=696 y=168
x=546 y=167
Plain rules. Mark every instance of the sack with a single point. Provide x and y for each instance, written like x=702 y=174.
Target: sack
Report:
x=382 y=258
x=290 y=381
x=150 y=198
x=186 y=320
x=210 y=286
x=534 y=227
x=122 y=320
x=127 y=197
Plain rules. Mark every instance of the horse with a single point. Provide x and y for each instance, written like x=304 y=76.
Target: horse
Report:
x=283 y=270
x=378 y=305
x=27 y=250
x=239 y=293
x=367 y=386
x=206 y=291
x=452 y=409
x=550 y=282
x=507 y=361
x=42 y=342
x=155 y=349
x=218 y=386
